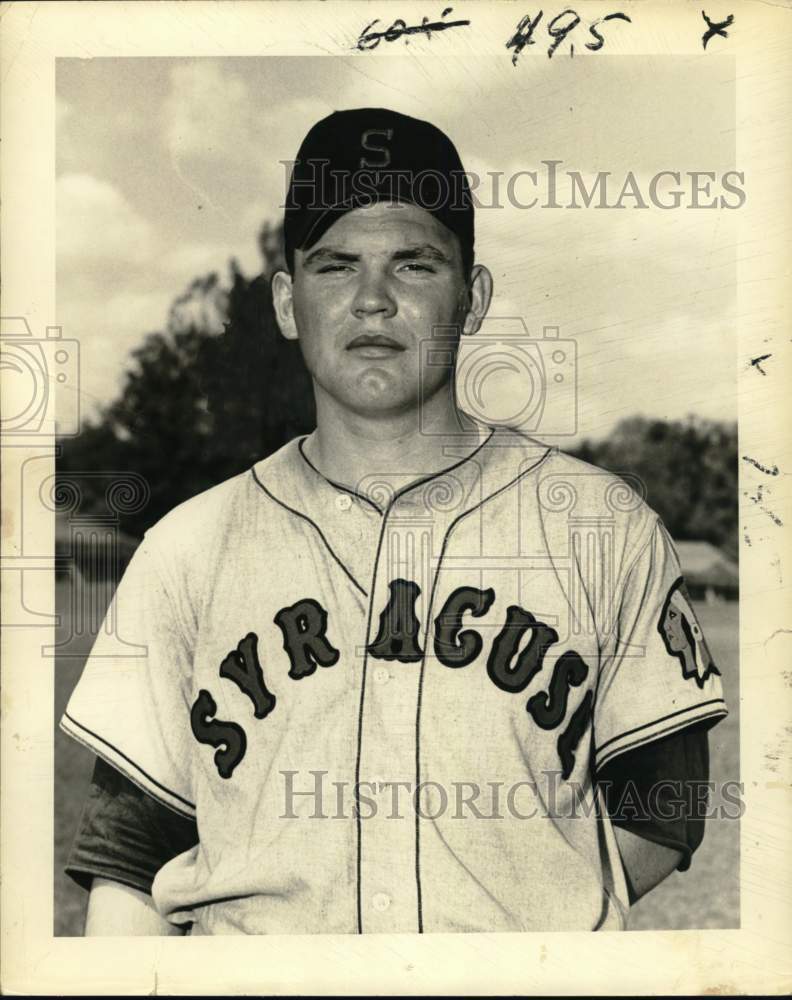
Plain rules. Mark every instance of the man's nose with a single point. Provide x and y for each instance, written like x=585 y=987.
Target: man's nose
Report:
x=373 y=296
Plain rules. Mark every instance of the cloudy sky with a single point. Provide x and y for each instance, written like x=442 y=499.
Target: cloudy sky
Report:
x=168 y=167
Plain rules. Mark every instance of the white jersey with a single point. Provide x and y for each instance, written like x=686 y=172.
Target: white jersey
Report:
x=384 y=711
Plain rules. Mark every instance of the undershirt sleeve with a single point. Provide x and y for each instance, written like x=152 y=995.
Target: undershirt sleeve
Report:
x=125 y=834
x=659 y=790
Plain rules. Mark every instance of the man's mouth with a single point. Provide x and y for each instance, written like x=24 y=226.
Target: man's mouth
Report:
x=375 y=346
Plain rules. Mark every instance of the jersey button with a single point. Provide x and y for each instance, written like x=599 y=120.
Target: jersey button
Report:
x=381 y=675
x=343 y=501
x=380 y=902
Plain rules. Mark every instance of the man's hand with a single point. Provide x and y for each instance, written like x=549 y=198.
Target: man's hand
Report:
x=116 y=910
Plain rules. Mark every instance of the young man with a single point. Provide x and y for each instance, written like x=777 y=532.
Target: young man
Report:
x=397 y=673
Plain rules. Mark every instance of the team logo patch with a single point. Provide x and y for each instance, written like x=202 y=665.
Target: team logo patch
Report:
x=683 y=637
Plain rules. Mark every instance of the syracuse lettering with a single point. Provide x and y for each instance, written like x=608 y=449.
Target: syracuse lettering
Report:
x=304 y=626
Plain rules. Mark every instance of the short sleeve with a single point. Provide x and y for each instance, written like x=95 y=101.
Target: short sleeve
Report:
x=657 y=675
x=131 y=705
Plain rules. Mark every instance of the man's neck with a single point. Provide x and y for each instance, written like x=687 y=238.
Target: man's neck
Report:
x=355 y=450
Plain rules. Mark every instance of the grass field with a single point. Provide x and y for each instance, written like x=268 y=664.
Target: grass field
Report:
x=706 y=896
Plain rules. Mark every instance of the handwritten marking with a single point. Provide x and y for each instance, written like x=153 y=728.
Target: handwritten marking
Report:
x=718 y=28
x=758 y=498
x=758 y=501
x=757 y=362
x=370 y=39
x=559 y=34
x=558 y=30
x=760 y=467
x=523 y=35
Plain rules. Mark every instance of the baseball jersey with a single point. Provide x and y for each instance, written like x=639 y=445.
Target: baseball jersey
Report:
x=383 y=707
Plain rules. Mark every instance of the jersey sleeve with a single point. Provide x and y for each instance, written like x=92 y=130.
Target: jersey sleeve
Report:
x=131 y=705
x=657 y=675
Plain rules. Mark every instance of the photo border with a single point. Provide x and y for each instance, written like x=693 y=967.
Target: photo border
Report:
x=754 y=958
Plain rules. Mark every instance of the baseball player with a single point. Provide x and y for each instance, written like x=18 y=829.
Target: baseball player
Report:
x=409 y=673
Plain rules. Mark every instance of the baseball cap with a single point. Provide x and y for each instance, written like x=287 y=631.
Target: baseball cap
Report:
x=353 y=159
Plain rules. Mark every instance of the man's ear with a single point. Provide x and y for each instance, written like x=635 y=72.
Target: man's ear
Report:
x=480 y=293
x=283 y=301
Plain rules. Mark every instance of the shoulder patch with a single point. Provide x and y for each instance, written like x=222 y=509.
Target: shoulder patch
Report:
x=682 y=635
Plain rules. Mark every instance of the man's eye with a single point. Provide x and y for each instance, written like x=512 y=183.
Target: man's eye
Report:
x=330 y=268
x=415 y=266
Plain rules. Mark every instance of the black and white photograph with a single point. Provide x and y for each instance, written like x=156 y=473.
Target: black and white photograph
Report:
x=396 y=498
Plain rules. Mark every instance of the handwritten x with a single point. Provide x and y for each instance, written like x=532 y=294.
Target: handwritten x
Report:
x=715 y=29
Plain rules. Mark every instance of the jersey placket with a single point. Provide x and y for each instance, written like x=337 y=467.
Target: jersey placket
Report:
x=412 y=536
x=388 y=893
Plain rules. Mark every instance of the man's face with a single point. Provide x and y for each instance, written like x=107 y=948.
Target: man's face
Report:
x=683 y=637
x=364 y=297
x=676 y=639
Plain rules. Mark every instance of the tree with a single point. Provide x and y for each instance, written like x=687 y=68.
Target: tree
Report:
x=689 y=471
x=202 y=400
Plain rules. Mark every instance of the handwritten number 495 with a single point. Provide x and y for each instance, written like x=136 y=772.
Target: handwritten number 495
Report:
x=561 y=26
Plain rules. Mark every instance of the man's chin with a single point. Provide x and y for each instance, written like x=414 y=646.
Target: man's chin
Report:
x=381 y=403
x=385 y=410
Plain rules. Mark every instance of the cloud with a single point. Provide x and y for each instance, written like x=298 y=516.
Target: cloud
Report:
x=190 y=260
x=228 y=137
x=96 y=224
x=108 y=328
x=208 y=112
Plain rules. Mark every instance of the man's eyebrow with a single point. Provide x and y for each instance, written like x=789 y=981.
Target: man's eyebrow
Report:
x=328 y=253
x=423 y=251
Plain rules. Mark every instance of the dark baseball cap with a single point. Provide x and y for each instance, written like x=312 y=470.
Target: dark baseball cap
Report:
x=353 y=159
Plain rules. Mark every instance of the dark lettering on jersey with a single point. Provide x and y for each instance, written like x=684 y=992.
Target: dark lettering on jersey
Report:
x=228 y=738
x=243 y=668
x=454 y=648
x=397 y=638
x=548 y=708
x=569 y=740
x=515 y=677
x=304 y=625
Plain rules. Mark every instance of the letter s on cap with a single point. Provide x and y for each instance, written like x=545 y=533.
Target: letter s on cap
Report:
x=387 y=133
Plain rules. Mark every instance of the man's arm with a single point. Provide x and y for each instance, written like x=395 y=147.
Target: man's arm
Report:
x=645 y=863
x=116 y=910
x=124 y=838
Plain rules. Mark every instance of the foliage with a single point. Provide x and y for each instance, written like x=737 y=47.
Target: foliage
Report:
x=197 y=405
x=688 y=469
